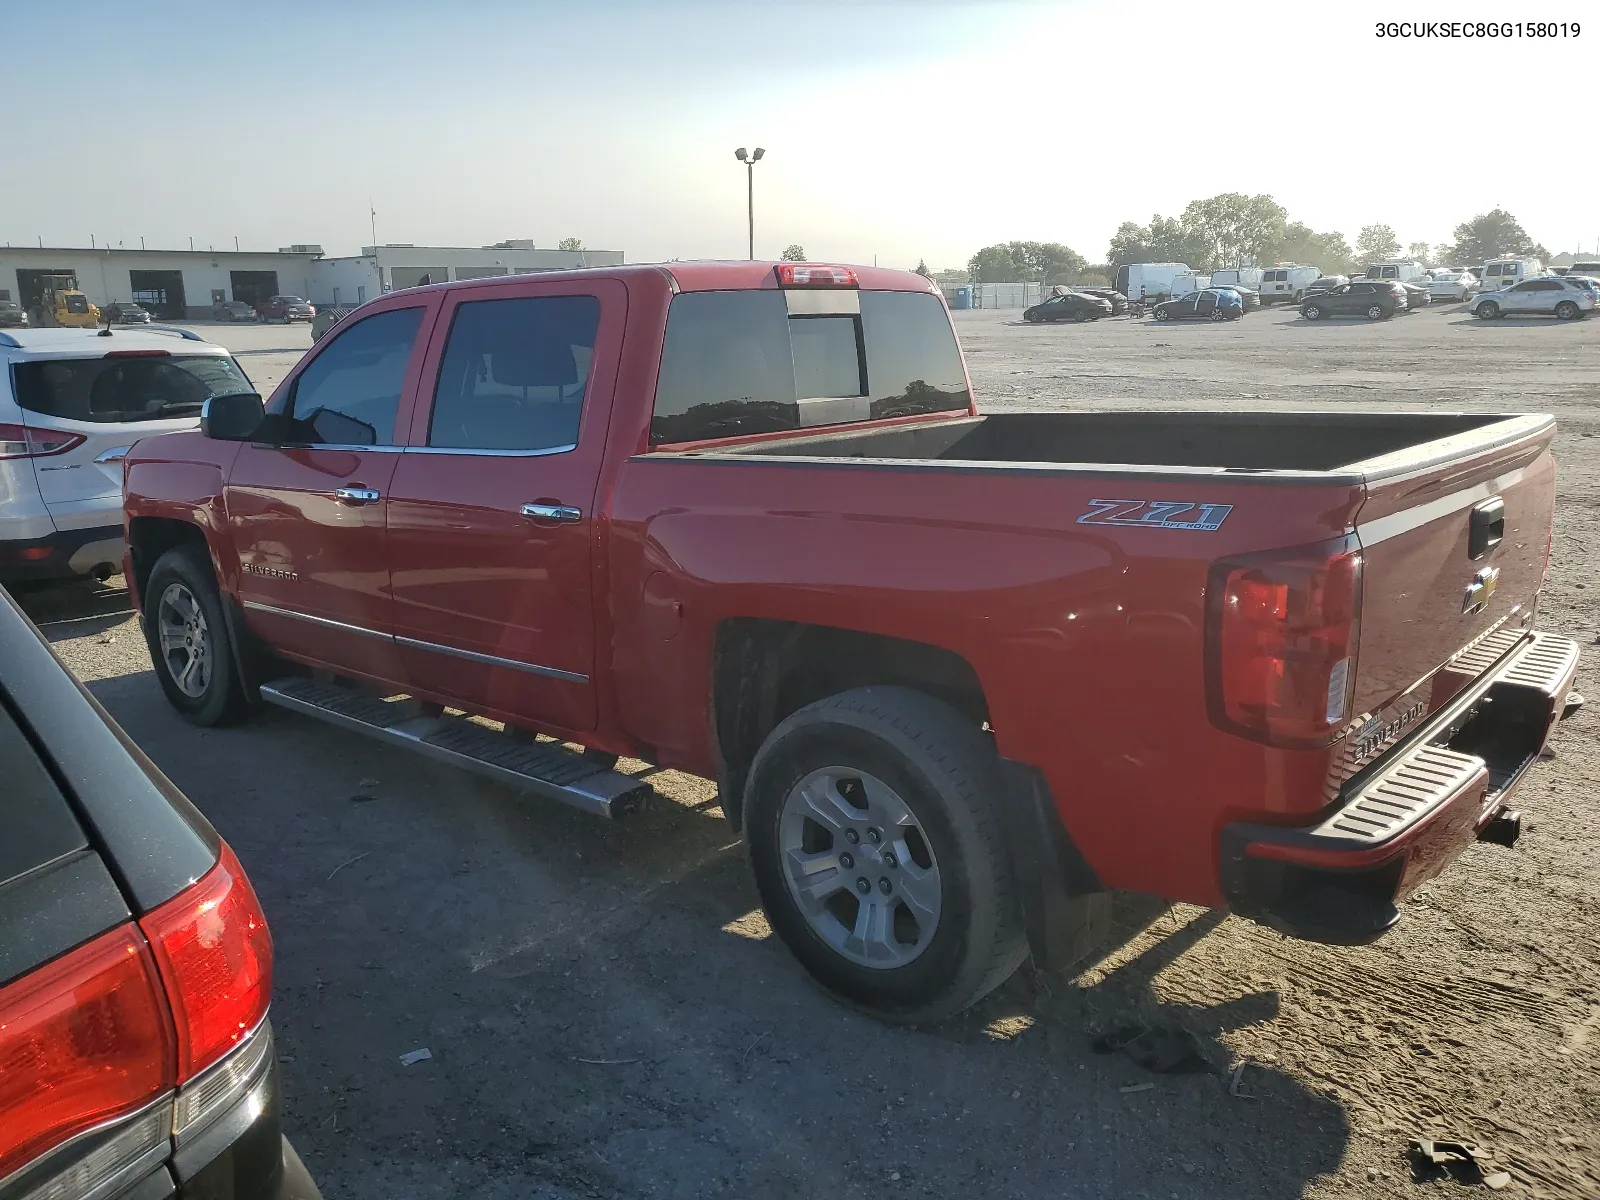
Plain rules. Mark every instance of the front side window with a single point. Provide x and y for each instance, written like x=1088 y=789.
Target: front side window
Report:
x=350 y=393
x=736 y=363
x=117 y=389
x=514 y=374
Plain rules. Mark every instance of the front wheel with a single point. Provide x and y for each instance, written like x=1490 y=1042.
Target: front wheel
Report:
x=1163 y=315
x=1567 y=311
x=878 y=853
x=1312 y=312
x=1488 y=310
x=187 y=633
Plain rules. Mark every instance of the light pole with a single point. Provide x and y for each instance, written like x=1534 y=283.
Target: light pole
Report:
x=750 y=160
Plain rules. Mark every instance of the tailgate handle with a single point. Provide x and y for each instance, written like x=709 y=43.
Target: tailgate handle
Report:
x=1488 y=527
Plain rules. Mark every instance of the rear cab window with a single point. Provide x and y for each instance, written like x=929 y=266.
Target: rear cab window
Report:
x=742 y=362
x=126 y=388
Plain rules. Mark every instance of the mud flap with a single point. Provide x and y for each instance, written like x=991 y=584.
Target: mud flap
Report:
x=1066 y=910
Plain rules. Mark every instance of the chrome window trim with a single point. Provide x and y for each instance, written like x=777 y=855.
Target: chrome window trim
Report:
x=492 y=660
x=567 y=449
x=385 y=449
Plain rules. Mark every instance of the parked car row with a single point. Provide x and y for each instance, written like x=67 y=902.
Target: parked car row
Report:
x=278 y=308
x=1566 y=297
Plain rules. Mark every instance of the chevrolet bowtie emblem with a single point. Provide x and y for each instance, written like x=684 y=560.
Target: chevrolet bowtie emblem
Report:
x=1480 y=589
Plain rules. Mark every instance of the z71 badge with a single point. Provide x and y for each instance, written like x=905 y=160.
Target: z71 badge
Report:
x=1157 y=514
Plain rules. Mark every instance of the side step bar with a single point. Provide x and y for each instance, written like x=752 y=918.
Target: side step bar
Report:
x=547 y=768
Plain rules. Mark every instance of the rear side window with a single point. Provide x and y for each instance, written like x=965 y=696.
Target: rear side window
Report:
x=350 y=394
x=119 y=390
x=514 y=374
x=736 y=363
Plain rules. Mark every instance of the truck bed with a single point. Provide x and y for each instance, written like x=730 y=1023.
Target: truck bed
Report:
x=1142 y=441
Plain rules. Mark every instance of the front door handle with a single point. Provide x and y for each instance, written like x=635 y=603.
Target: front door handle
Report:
x=552 y=512
x=357 y=495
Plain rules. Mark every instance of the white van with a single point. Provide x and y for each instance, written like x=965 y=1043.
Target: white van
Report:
x=1287 y=281
x=1401 y=271
x=1154 y=280
x=1245 y=277
x=1499 y=273
x=1190 y=281
x=71 y=403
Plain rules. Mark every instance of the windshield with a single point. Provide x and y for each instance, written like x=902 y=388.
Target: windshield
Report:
x=76 y=304
x=116 y=389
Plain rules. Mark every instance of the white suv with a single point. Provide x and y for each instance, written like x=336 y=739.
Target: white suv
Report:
x=72 y=401
x=1547 y=294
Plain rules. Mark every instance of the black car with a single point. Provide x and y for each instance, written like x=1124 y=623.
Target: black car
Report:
x=125 y=312
x=136 y=1058
x=1214 y=304
x=1072 y=306
x=1375 y=299
x=12 y=315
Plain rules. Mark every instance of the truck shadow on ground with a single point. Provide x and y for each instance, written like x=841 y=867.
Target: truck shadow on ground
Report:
x=608 y=1013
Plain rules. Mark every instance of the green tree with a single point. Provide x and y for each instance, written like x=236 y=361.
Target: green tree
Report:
x=1494 y=234
x=1328 y=252
x=794 y=252
x=1375 y=243
x=570 y=244
x=1019 y=262
x=952 y=278
x=922 y=268
x=994 y=264
x=1232 y=228
x=1419 y=252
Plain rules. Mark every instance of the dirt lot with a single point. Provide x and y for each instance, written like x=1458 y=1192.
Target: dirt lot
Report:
x=609 y=1017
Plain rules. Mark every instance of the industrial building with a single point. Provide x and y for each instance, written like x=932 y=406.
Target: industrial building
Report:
x=179 y=284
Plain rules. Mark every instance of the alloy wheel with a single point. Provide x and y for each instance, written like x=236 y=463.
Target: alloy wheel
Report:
x=185 y=640
x=859 y=867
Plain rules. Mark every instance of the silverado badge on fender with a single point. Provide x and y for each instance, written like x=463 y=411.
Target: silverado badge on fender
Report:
x=1157 y=514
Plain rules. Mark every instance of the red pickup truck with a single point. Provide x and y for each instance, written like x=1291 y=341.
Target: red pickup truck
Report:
x=956 y=675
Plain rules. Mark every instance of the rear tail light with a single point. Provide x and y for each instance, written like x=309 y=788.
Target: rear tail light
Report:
x=84 y=1040
x=22 y=441
x=1281 y=643
x=812 y=275
x=215 y=956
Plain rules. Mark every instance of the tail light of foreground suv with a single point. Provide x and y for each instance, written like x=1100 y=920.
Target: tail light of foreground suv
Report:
x=127 y=1025
x=1281 y=643
x=21 y=441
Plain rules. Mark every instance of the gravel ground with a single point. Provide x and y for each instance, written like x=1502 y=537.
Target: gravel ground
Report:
x=608 y=1015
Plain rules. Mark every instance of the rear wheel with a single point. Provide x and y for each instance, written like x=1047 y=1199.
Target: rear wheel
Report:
x=1375 y=312
x=1567 y=310
x=878 y=853
x=187 y=632
x=1488 y=310
x=1218 y=314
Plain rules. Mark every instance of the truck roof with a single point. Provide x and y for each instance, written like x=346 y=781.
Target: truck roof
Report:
x=716 y=275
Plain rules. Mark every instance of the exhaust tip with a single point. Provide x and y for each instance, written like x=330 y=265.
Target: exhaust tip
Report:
x=1503 y=829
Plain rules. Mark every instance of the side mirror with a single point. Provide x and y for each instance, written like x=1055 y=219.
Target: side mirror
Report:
x=232 y=418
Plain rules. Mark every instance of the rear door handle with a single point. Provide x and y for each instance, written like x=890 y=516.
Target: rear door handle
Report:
x=552 y=512
x=357 y=495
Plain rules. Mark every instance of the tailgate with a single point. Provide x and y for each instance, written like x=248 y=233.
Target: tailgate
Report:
x=1455 y=535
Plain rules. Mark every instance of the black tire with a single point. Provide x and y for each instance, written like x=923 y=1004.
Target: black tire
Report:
x=1163 y=315
x=1312 y=312
x=1567 y=311
x=1375 y=312
x=944 y=768
x=1487 y=311
x=221 y=699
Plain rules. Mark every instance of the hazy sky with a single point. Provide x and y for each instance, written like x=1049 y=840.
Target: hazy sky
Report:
x=896 y=129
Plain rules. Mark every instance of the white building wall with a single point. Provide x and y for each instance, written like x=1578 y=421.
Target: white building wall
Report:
x=345 y=282
x=104 y=275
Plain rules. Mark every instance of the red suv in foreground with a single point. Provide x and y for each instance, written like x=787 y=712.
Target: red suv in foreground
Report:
x=136 y=1057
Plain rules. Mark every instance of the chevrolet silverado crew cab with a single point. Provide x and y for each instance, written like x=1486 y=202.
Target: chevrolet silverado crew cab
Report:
x=957 y=675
